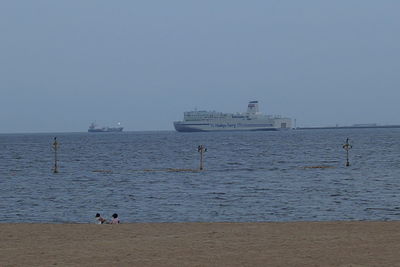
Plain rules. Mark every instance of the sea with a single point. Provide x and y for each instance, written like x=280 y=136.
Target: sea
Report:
x=282 y=176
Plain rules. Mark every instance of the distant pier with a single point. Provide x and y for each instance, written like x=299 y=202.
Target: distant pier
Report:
x=356 y=126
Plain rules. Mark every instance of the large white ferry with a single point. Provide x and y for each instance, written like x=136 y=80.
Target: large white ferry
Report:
x=211 y=121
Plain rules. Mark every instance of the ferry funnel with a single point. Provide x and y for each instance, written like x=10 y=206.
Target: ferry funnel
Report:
x=252 y=107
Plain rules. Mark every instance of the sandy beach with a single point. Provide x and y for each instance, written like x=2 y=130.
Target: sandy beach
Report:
x=202 y=244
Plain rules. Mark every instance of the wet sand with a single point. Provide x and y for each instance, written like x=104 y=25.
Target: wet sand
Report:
x=202 y=244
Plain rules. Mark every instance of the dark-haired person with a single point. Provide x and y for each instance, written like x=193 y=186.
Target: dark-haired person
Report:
x=99 y=219
x=115 y=219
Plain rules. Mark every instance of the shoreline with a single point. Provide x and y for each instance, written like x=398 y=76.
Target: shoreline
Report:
x=336 y=243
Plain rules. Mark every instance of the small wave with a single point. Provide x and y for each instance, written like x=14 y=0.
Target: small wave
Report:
x=103 y=171
x=234 y=163
x=318 y=167
x=384 y=209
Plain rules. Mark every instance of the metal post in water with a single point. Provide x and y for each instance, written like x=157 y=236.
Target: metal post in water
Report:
x=347 y=147
x=55 y=147
x=201 y=149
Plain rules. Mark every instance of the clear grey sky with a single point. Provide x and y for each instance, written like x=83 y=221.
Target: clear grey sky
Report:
x=64 y=64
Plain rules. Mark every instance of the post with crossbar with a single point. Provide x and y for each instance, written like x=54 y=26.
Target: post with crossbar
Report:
x=347 y=147
x=55 y=147
x=201 y=149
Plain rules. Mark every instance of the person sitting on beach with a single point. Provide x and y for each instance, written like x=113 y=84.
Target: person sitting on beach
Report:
x=115 y=219
x=99 y=219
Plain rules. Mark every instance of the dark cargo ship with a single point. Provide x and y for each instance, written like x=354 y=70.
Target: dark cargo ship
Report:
x=93 y=128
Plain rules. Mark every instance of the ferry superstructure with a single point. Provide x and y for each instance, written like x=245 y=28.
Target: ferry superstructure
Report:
x=212 y=121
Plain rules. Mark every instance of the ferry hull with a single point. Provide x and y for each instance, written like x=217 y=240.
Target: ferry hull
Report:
x=182 y=127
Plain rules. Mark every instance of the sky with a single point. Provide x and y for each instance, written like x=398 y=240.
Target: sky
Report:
x=67 y=63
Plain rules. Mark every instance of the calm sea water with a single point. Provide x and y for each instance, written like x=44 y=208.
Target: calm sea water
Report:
x=248 y=176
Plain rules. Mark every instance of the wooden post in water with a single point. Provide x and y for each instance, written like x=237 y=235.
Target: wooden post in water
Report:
x=347 y=147
x=201 y=149
x=55 y=147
